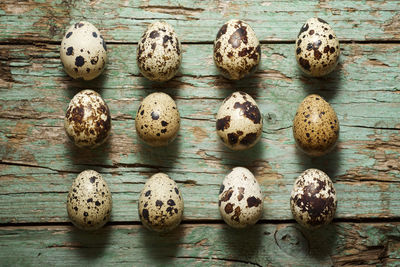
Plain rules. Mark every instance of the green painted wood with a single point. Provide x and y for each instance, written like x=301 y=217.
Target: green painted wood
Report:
x=38 y=163
x=125 y=21
x=340 y=244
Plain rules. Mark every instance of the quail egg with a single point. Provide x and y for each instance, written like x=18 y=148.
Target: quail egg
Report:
x=88 y=120
x=157 y=120
x=160 y=204
x=89 y=201
x=159 y=52
x=317 y=48
x=237 y=51
x=239 y=121
x=240 y=198
x=315 y=126
x=83 y=51
x=313 y=199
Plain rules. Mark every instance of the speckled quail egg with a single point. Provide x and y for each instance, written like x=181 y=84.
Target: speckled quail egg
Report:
x=317 y=48
x=83 y=51
x=160 y=204
x=157 y=120
x=159 y=52
x=239 y=121
x=237 y=51
x=89 y=201
x=88 y=120
x=240 y=198
x=313 y=199
x=315 y=126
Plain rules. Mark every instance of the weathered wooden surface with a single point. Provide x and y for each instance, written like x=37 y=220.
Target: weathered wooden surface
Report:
x=197 y=21
x=341 y=244
x=38 y=162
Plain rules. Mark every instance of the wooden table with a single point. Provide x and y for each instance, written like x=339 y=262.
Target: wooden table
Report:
x=38 y=162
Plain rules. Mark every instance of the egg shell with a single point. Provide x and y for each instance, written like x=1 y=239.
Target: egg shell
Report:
x=157 y=120
x=313 y=199
x=89 y=201
x=315 y=126
x=159 y=52
x=87 y=120
x=317 y=48
x=239 y=121
x=83 y=51
x=237 y=51
x=160 y=204
x=240 y=198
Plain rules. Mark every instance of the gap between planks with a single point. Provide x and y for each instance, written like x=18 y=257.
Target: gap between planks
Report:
x=371 y=41
x=211 y=222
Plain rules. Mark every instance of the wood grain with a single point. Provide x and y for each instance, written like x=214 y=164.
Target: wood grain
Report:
x=39 y=162
x=342 y=244
x=197 y=21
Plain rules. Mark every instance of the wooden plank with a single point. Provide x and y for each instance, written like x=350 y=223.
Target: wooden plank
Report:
x=38 y=162
x=197 y=21
x=340 y=244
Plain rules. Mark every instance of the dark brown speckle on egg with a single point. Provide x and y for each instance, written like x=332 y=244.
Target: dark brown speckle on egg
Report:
x=157 y=121
x=236 y=50
x=239 y=121
x=159 y=55
x=88 y=207
x=75 y=52
x=312 y=128
x=240 y=199
x=88 y=120
x=318 y=37
x=159 y=209
x=313 y=199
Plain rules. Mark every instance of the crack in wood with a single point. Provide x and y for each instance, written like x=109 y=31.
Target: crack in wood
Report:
x=371 y=127
x=218 y=259
x=14 y=163
x=175 y=9
x=268 y=131
x=127 y=165
x=363 y=179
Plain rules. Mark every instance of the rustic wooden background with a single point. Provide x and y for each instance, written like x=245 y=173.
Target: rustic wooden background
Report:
x=38 y=162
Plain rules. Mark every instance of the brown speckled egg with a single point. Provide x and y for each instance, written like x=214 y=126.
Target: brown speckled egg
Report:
x=317 y=48
x=157 y=120
x=315 y=126
x=313 y=199
x=237 y=51
x=88 y=120
x=159 y=52
x=240 y=198
x=239 y=121
x=83 y=51
x=89 y=201
x=160 y=204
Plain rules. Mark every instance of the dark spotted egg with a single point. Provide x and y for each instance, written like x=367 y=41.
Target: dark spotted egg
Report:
x=313 y=199
x=83 y=51
x=239 y=121
x=317 y=48
x=315 y=126
x=240 y=198
x=157 y=120
x=87 y=120
x=160 y=204
x=89 y=201
x=237 y=51
x=159 y=52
